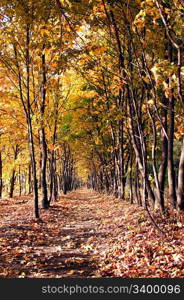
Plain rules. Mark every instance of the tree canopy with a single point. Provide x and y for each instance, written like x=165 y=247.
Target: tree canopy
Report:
x=92 y=92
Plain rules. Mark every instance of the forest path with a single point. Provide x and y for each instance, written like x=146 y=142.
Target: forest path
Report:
x=85 y=234
x=67 y=242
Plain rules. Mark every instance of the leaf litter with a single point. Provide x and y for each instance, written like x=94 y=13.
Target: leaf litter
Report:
x=86 y=234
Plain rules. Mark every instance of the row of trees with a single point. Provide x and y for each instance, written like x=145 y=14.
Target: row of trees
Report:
x=133 y=62
x=17 y=178
x=33 y=97
x=97 y=88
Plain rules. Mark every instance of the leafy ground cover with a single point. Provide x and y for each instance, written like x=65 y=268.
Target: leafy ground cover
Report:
x=86 y=234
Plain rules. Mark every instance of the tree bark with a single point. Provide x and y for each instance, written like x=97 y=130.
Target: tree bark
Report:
x=12 y=184
x=171 y=171
x=20 y=182
x=45 y=202
x=27 y=109
x=53 y=178
x=164 y=155
x=1 y=174
x=29 y=180
x=13 y=177
x=53 y=175
x=180 y=190
x=33 y=164
x=171 y=120
x=131 y=177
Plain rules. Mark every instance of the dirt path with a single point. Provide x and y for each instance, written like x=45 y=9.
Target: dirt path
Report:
x=85 y=234
x=60 y=245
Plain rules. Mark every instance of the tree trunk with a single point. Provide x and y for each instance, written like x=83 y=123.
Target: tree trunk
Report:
x=171 y=172
x=40 y=167
x=20 y=182
x=29 y=180
x=53 y=178
x=53 y=175
x=12 y=184
x=120 y=161
x=55 y=182
x=137 y=186
x=131 y=178
x=164 y=155
x=25 y=183
x=180 y=190
x=33 y=165
x=1 y=174
x=29 y=126
x=13 y=177
x=45 y=202
x=171 y=115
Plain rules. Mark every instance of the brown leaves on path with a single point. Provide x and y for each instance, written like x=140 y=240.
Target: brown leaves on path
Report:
x=85 y=234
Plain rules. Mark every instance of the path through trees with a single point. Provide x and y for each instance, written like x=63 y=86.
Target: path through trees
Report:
x=91 y=95
x=86 y=234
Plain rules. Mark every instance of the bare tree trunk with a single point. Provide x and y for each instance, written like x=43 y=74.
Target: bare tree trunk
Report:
x=13 y=177
x=137 y=186
x=20 y=182
x=131 y=177
x=120 y=162
x=29 y=180
x=29 y=126
x=53 y=175
x=164 y=155
x=33 y=164
x=25 y=183
x=53 y=178
x=12 y=184
x=45 y=202
x=180 y=190
x=1 y=174
x=171 y=172
x=171 y=119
